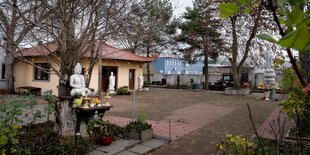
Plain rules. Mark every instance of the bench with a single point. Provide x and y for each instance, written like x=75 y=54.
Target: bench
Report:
x=30 y=90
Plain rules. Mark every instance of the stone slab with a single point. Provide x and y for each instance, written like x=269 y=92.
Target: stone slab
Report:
x=141 y=149
x=126 y=143
x=154 y=143
x=127 y=153
x=96 y=152
x=111 y=149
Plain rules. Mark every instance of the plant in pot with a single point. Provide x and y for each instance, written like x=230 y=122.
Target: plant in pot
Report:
x=103 y=132
x=139 y=129
x=94 y=129
x=78 y=99
x=106 y=134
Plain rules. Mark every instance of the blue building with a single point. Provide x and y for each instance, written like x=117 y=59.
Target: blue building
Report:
x=167 y=65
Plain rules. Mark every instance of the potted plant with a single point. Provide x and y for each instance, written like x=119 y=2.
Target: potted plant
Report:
x=106 y=134
x=103 y=132
x=139 y=129
x=78 y=99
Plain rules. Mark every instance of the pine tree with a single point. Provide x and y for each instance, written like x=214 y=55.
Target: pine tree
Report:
x=199 y=31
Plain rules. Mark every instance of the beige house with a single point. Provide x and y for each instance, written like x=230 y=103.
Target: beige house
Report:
x=125 y=65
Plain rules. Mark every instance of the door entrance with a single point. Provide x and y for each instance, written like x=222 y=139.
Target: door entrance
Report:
x=131 y=79
x=106 y=72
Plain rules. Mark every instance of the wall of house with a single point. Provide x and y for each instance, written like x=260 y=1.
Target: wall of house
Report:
x=122 y=70
x=25 y=75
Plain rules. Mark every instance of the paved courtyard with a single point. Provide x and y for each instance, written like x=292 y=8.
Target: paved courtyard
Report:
x=198 y=119
x=195 y=121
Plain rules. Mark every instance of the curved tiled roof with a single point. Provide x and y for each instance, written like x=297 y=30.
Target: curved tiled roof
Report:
x=108 y=52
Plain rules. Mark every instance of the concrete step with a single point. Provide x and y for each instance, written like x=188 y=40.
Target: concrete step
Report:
x=129 y=146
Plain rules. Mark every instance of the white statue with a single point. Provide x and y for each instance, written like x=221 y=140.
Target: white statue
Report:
x=77 y=82
x=141 y=80
x=111 y=83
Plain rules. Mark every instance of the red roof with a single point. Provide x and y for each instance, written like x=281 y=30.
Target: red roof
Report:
x=108 y=52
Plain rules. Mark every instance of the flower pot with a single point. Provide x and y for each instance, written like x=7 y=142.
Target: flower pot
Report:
x=143 y=136
x=106 y=140
x=78 y=101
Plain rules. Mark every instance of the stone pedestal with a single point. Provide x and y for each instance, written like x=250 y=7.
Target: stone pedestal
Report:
x=267 y=95
x=140 y=88
x=269 y=76
x=111 y=90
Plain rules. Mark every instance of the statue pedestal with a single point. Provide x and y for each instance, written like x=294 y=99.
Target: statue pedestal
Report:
x=111 y=90
x=267 y=95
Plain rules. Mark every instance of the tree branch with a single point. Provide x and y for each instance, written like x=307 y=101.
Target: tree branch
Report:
x=289 y=52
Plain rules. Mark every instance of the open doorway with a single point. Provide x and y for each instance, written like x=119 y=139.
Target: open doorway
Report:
x=131 y=78
x=106 y=72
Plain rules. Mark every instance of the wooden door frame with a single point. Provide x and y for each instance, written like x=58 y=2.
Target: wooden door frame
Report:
x=133 y=78
x=109 y=68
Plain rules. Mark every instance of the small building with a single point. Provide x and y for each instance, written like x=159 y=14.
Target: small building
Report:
x=167 y=65
x=125 y=65
x=167 y=70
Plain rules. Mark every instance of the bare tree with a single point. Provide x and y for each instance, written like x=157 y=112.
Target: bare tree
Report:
x=15 y=30
x=146 y=31
x=75 y=27
x=240 y=45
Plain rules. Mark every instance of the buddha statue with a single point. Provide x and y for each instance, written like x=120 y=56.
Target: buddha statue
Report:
x=77 y=82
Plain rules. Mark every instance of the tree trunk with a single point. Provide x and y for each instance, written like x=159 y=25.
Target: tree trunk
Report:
x=234 y=49
x=9 y=72
x=305 y=65
x=206 y=64
x=65 y=118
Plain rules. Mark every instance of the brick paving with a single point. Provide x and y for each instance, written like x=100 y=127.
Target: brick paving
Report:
x=198 y=120
x=182 y=122
x=277 y=121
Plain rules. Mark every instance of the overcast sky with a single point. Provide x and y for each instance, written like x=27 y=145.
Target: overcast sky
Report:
x=180 y=5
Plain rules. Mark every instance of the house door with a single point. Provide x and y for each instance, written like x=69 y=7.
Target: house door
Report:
x=131 y=79
x=106 y=72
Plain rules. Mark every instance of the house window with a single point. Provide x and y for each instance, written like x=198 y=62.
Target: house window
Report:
x=41 y=72
x=3 y=72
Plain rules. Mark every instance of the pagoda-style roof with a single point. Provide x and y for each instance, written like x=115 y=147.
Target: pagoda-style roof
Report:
x=108 y=52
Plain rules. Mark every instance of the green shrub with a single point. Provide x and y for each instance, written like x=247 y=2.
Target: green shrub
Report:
x=139 y=125
x=41 y=139
x=97 y=128
x=9 y=112
x=123 y=91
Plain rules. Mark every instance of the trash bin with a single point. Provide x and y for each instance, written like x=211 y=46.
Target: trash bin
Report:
x=194 y=86
x=163 y=81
